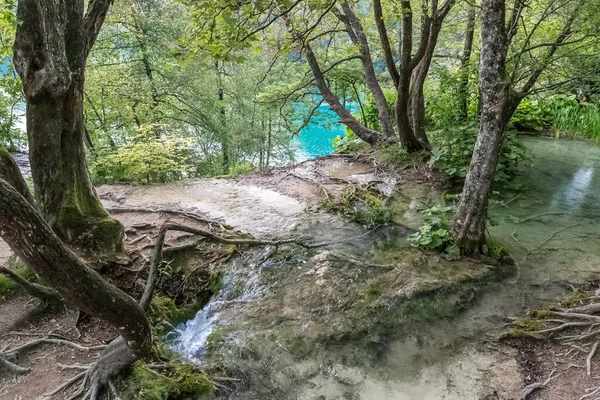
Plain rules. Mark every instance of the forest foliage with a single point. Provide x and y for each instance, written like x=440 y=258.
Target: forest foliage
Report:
x=178 y=89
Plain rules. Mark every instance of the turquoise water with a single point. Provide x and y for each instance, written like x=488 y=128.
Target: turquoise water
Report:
x=316 y=139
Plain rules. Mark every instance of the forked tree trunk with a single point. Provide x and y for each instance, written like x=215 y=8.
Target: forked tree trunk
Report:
x=52 y=43
x=34 y=242
x=417 y=97
x=469 y=223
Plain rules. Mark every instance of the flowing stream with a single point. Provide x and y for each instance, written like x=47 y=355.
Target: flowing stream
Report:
x=552 y=229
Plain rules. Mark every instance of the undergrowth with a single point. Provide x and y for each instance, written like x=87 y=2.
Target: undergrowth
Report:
x=174 y=381
x=361 y=204
x=453 y=149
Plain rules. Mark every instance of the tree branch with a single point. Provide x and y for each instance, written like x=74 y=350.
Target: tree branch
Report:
x=93 y=21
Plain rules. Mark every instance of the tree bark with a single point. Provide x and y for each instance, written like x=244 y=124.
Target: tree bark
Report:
x=463 y=85
x=10 y=171
x=52 y=43
x=469 y=223
x=359 y=38
x=385 y=42
x=35 y=243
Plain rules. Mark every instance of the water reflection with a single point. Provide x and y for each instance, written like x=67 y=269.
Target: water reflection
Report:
x=573 y=195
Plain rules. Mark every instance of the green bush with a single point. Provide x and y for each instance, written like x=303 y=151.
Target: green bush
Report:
x=532 y=114
x=370 y=107
x=453 y=149
x=241 y=168
x=349 y=144
x=146 y=159
x=435 y=232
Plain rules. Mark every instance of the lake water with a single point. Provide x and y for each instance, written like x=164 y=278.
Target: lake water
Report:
x=316 y=139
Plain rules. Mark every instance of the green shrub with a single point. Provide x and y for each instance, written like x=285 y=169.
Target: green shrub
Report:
x=453 y=149
x=435 y=232
x=349 y=143
x=532 y=114
x=241 y=168
x=146 y=159
x=370 y=107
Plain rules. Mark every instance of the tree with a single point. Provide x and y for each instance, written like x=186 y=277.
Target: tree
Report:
x=463 y=86
x=33 y=240
x=470 y=220
x=534 y=51
x=53 y=41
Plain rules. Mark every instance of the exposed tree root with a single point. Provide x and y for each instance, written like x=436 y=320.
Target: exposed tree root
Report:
x=182 y=213
x=529 y=389
x=41 y=292
x=9 y=354
x=578 y=329
x=95 y=377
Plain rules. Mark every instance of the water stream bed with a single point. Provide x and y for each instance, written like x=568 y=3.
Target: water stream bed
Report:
x=294 y=323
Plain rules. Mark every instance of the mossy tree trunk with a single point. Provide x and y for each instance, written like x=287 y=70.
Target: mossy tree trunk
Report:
x=52 y=43
x=35 y=243
x=469 y=224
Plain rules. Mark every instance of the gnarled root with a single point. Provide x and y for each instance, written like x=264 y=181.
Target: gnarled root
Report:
x=98 y=376
x=44 y=293
x=8 y=355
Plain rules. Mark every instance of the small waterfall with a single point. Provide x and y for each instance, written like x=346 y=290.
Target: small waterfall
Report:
x=241 y=284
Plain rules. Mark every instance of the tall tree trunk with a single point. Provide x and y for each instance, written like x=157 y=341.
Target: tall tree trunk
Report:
x=469 y=224
x=359 y=38
x=463 y=85
x=52 y=43
x=417 y=97
x=34 y=242
x=269 y=133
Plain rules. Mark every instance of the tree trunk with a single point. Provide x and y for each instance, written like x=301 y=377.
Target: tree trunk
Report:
x=359 y=38
x=469 y=223
x=346 y=116
x=463 y=85
x=417 y=97
x=34 y=242
x=52 y=43
x=407 y=137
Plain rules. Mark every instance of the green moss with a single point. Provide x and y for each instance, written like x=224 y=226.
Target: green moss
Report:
x=215 y=281
x=164 y=308
x=528 y=324
x=298 y=347
x=575 y=299
x=8 y=287
x=217 y=337
x=373 y=289
x=363 y=205
x=177 y=381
